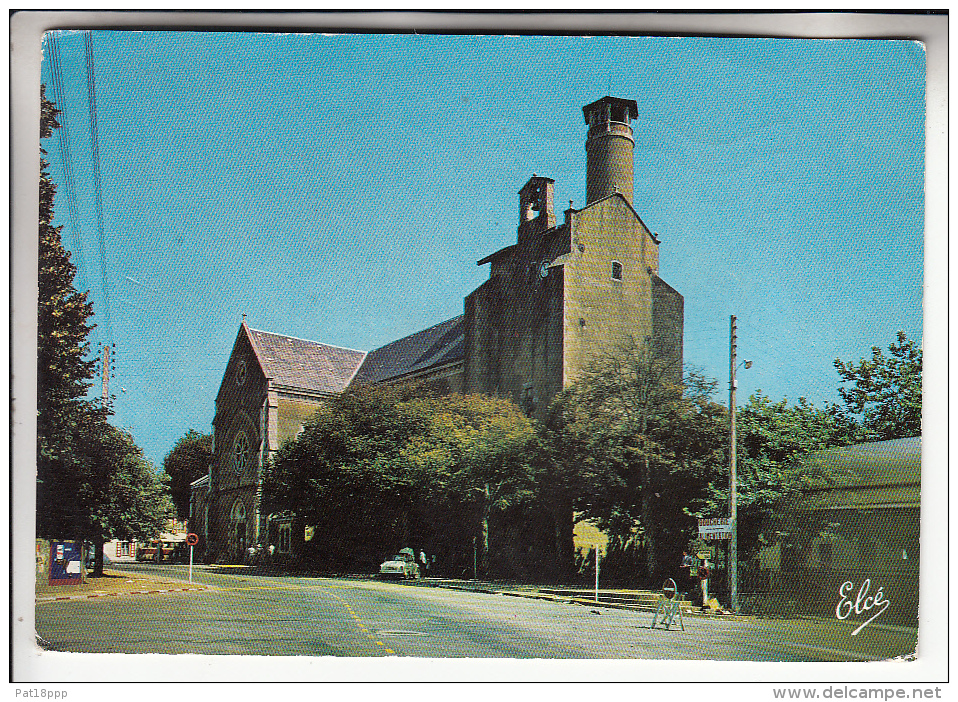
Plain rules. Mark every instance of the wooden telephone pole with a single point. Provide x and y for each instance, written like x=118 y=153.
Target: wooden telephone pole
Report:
x=107 y=372
x=733 y=487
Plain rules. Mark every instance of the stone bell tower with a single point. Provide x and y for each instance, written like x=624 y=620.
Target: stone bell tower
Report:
x=536 y=206
x=609 y=146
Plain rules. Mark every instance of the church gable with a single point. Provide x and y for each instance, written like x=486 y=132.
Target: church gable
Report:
x=243 y=369
x=306 y=365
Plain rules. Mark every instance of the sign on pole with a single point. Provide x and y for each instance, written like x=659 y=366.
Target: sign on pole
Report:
x=192 y=540
x=669 y=606
x=717 y=528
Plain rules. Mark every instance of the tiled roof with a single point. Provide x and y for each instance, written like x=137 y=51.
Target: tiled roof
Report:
x=305 y=364
x=438 y=345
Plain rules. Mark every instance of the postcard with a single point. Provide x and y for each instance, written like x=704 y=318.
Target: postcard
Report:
x=408 y=347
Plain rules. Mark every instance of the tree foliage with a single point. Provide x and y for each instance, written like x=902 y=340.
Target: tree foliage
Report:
x=635 y=451
x=885 y=390
x=64 y=373
x=107 y=490
x=188 y=460
x=377 y=469
x=119 y=494
x=93 y=482
x=771 y=436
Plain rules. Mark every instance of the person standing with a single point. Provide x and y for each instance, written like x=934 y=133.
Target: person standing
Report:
x=424 y=564
x=703 y=576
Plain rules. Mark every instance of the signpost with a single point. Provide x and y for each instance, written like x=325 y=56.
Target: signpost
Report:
x=192 y=540
x=719 y=528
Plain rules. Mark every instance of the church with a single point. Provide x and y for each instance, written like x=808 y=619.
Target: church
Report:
x=562 y=292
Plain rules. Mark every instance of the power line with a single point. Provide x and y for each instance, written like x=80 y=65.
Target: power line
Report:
x=63 y=137
x=98 y=202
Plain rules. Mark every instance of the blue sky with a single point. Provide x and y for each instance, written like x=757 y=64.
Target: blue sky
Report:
x=341 y=188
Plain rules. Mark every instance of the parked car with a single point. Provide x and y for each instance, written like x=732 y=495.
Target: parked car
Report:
x=401 y=566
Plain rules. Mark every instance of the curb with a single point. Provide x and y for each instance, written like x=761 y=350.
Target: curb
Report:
x=117 y=594
x=577 y=601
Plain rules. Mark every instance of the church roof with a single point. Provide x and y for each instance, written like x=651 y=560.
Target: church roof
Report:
x=438 y=345
x=305 y=364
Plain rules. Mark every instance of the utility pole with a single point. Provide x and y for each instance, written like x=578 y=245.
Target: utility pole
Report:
x=106 y=375
x=733 y=487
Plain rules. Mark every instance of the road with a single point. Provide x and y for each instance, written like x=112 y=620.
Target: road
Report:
x=245 y=613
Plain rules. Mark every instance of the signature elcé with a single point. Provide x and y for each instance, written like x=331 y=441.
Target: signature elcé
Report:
x=862 y=603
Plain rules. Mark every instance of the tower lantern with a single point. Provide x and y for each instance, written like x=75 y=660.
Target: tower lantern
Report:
x=609 y=146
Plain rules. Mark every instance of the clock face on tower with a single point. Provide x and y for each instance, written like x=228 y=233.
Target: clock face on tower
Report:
x=544 y=269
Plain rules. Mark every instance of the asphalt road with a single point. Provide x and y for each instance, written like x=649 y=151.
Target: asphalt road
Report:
x=249 y=614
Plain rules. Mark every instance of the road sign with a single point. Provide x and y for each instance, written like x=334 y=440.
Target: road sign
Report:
x=718 y=528
x=669 y=606
x=669 y=589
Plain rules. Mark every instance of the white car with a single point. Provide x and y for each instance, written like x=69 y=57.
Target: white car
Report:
x=401 y=566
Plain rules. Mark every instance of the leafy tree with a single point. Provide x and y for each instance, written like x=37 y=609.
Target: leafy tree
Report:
x=92 y=481
x=64 y=371
x=635 y=451
x=885 y=390
x=477 y=461
x=379 y=468
x=120 y=494
x=188 y=460
x=771 y=436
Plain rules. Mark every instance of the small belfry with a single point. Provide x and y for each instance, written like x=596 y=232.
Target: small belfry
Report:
x=561 y=294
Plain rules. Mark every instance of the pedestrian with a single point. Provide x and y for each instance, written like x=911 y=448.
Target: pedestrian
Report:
x=425 y=563
x=703 y=576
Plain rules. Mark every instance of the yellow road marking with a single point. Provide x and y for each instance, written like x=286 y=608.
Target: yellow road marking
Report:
x=359 y=623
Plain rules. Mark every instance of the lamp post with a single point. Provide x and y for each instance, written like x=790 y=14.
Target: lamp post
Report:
x=733 y=478
x=485 y=534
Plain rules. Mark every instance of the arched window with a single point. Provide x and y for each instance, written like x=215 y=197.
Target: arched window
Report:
x=616 y=270
x=241 y=372
x=238 y=513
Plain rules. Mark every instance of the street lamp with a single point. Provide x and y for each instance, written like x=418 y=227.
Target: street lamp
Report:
x=733 y=485
x=485 y=534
